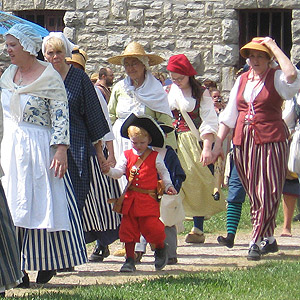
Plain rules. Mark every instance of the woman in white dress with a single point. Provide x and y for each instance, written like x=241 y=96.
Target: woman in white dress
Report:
x=38 y=189
x=139 y=93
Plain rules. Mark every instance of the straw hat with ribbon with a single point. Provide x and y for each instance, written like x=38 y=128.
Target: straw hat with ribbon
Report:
x=78 y=56
x=135 y=49
x=255 y=44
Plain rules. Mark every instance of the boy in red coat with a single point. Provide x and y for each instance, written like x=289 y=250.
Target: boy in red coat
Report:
x=140 y=207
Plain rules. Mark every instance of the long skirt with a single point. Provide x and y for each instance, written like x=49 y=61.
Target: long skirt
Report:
x=98 y=220
x=10 y=269
x=197 y=189
x=43 y=250
x=262 y=169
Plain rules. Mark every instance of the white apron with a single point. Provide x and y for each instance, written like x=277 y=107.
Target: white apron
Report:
x=37 y=199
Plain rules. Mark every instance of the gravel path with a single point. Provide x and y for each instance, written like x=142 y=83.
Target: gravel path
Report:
x=191 y=258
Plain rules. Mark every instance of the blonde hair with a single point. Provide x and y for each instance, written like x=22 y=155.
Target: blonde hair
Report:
x=135 y=131
x=56 y=43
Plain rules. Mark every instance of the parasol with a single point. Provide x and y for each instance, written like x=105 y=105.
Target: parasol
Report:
x=8 y=20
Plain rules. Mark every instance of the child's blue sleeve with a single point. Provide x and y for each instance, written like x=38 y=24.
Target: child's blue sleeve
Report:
x=175 y=169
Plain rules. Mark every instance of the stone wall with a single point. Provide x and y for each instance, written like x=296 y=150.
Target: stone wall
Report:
x=206 y=31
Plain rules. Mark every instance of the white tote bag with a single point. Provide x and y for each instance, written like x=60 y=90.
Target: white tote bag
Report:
x=171 y=210
x=294 y=155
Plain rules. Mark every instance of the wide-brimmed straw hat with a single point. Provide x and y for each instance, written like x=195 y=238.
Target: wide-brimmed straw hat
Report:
x=255 y=44
x=94 y=76
x=147 y=123
x=135 y=49
x=78 y=56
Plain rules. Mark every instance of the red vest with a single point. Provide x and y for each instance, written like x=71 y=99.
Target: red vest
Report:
x=267 y=125
x=146 y=178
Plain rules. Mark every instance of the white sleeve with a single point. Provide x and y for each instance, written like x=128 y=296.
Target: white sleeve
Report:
x=289 y=115
x=163 y=172
x=284 y=89
x=120 y=169
x=208 y=115
x=230 y=114
x=109 y=136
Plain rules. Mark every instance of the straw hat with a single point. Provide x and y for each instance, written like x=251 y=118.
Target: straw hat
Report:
x=94 y=76
x=149 y=124
x=255 y=44
x=135 y=49
x=78 y=56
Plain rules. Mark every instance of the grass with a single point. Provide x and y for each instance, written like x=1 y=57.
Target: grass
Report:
x=272 y=280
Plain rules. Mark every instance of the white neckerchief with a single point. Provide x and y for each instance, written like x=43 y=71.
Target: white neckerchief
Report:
x=185 y=104
x=150 y=93
x=49 y=85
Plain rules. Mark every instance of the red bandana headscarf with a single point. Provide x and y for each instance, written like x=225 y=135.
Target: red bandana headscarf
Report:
x=181 y=65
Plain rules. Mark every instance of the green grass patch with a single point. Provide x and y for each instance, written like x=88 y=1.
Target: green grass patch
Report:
x=272 y=280
x=217 y=223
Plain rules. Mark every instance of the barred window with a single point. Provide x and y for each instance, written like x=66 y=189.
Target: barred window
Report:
x=52 y=20
x=275 y=23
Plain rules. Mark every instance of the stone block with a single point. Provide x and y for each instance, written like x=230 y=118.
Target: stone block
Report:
x=118 y=42
x=74 y=18
x=91 y=21
x=119 y=8
x=82 y=4
x=99 y=4
x=228 y=78
x=226 y=55
x=69 y=33
x=183 y=44
x=159 y=45
x=55 y=4
x=230 y=31
x=141 y=3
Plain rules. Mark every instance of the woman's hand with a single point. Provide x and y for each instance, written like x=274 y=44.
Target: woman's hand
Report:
x=105 y=167
x=206 y=157
x=60 y=161
x=111 y=160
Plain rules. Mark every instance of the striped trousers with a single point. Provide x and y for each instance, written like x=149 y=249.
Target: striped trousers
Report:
x=262 y=169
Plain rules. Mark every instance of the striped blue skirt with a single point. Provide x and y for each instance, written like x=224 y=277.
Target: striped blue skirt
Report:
x=98 y=220
x=43 y=250
x=10 y=269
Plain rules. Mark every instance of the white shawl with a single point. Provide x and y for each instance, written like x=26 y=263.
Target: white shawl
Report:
x=49 y=85
x=150 y=93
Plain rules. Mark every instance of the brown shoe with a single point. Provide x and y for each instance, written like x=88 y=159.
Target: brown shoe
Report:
x=195 y=236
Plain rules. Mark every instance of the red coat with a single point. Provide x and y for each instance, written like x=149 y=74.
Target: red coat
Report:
x=268 y=124
x=146 y=178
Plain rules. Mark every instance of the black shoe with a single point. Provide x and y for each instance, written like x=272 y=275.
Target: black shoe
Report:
x=225 y=241
x=99 y=254
x=296 y=218
x=70 y=269
x=254 y=253
x=161 y=257
x=128 y=266
x=25 y=284
x=45 y=276
x=266 y=247
x=172 y=261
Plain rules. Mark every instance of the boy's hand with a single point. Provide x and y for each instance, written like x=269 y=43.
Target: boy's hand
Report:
x=171 y=191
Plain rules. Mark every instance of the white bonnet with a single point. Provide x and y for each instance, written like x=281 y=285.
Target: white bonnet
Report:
x=30 y=40
x=68 y=45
